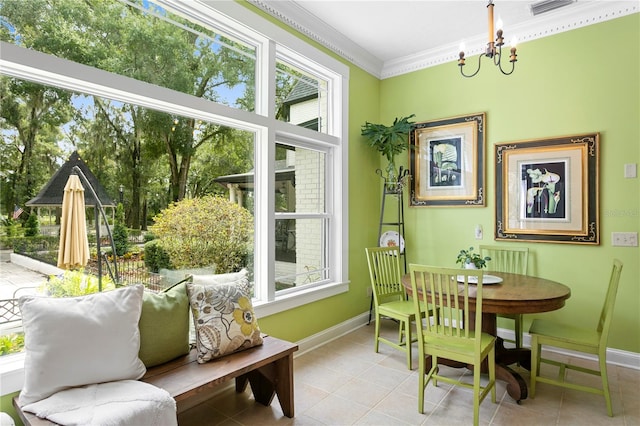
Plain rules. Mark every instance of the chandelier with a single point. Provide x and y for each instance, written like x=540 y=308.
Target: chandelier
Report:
x=494 y=48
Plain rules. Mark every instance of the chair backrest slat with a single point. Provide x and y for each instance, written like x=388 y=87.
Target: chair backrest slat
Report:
x=450 y=292
x=506 y=259
x=385 y=273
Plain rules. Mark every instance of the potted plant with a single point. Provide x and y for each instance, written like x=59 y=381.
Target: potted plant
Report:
x=470 y=260
x=389 y=141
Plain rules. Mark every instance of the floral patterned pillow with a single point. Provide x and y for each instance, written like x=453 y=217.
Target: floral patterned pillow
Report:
x=224 y=318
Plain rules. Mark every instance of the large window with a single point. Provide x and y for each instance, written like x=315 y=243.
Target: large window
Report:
x=187 y=71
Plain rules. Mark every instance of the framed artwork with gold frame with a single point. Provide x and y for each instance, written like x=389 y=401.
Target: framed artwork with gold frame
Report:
x=446 y=161
x=547 y=190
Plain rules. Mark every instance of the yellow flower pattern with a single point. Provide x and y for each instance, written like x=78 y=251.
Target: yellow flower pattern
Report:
x=245 y=317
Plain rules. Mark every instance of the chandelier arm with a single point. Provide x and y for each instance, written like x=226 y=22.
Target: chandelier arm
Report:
x=513 y=67
x=477 y=70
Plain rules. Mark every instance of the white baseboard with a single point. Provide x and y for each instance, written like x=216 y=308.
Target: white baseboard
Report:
x=614 y=356
x=325 y=336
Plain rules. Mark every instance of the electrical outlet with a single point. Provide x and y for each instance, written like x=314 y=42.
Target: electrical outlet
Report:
x=369 y=291
x=624 y=239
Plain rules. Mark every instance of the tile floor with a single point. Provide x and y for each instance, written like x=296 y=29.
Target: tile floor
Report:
x=346 y=383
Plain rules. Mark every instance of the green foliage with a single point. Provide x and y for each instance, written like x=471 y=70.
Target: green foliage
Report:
x=120 y=232
x=11 y=343
x=29 y=245
x=149 y=237
x=388 y=140
x=466 y=257
x=10 y=227
x=74 y=283
x=32 y=227
x=155 y=257
x=205 y=231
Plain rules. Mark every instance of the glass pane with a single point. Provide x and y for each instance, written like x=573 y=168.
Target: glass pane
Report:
x=142 y=158
x=301 y=98
x=300 y=252
x=137 y=39
x=300 y=180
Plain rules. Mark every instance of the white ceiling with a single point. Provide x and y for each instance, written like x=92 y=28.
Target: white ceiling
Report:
x=388 y=38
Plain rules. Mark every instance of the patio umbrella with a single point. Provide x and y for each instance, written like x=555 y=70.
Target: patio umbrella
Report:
x=74 y=245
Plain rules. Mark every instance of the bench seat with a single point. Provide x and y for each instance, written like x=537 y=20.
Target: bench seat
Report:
x=268 y=369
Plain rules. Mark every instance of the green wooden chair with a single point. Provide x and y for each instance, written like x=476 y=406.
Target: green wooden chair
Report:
x=512 y=260
x=455 y=332
x=390 y=298
x=591 y=341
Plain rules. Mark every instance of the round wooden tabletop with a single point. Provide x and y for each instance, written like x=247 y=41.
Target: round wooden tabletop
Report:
x=518 y=294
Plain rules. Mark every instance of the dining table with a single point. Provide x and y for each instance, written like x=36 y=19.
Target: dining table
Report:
x=506 y=293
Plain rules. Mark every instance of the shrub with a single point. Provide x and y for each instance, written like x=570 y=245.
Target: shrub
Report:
x=155 y=257
x=32 y=226
x=205 y=231
x=74 y=283
x=120 y=233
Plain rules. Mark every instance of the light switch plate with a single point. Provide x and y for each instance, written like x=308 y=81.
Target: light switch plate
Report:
x=631 y=170
x=624 y=239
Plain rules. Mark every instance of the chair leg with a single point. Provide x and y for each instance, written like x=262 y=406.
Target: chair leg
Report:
x=518 y=330
x=377 y=333
x=407 y=337
x=605 y=383
x=492 y=373
x=421 y=384
x=476 y=395
x=535 y=365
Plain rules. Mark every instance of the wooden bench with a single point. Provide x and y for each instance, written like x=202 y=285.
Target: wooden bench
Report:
x=268 y=368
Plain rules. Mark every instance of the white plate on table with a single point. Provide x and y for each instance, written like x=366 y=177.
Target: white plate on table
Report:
x=392 y=239
x=486 y=279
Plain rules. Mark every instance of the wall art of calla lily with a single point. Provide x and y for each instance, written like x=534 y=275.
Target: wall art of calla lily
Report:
x=542 y=197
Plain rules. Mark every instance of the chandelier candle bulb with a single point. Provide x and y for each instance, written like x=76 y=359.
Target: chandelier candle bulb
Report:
x=490 y=7
x=513 y=56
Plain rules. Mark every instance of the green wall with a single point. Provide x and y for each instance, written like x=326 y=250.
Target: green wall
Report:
x=585 y=80
x=581 y=81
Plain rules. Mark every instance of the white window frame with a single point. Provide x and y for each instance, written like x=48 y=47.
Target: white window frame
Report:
x=270 y=41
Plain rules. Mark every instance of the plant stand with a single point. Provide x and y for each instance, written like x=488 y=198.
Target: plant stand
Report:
x=392 y=194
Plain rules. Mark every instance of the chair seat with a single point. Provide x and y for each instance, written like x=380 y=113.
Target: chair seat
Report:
x=455 y=346
x=565 y=333
x=399 y=307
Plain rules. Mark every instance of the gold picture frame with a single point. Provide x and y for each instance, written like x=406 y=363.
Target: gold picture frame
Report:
x=547 y=190
x=447 y=162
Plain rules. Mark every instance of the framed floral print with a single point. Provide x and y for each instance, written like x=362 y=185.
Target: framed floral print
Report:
x=547 y=190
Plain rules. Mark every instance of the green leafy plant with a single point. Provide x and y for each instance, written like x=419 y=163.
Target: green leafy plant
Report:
x=467 y=257
x=205 y=231
x=11 y=343
x=74 y=283
x=389 y=140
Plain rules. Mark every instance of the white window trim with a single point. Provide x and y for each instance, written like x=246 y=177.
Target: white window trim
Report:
x=46 y=69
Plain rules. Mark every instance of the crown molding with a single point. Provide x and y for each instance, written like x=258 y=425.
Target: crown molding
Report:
x=581 y=14
x=298 y=18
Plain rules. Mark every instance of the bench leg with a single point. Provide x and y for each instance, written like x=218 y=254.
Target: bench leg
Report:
x=272 y=379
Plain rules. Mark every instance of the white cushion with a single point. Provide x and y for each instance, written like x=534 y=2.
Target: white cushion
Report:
x=239 y=278
x=121 y=403
x=78 y=341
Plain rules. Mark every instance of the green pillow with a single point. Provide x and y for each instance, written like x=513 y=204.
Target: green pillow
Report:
x=164 y=325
